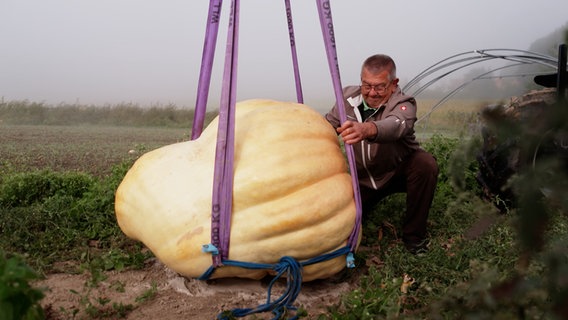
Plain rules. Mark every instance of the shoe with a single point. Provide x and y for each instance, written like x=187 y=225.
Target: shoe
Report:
x=417 y=247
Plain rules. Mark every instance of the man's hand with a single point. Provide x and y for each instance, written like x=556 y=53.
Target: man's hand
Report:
x=353 y=132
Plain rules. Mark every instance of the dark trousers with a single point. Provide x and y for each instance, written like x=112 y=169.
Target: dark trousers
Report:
x=416 y=176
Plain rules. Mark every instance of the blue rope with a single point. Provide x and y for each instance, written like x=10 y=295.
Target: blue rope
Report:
x=280 y=306
x=293 y=270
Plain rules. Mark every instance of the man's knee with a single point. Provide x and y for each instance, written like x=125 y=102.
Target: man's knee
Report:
x=425 y=164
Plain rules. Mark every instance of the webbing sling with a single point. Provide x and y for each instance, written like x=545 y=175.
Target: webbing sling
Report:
x=223 y=172
x=211 y=31
x=299 y=94
x=326 y=22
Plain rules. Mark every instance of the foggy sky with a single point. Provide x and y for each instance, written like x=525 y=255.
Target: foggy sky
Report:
x=149 y=52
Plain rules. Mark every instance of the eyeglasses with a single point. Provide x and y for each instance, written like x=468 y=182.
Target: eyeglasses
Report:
x=380 y=88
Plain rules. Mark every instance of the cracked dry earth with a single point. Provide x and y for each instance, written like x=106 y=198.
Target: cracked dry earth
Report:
x=176 y=297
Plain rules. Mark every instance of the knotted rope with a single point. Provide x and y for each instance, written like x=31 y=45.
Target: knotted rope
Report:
x=287 y=265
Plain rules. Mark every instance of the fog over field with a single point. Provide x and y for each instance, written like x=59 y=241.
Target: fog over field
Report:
x=149 y=52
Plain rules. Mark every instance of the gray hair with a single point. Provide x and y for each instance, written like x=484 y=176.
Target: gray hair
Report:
x=378 y=63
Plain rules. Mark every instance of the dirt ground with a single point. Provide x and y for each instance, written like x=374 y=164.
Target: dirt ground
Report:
x=175 y=297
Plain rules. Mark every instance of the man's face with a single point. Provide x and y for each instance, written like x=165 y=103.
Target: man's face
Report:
x=377 y=88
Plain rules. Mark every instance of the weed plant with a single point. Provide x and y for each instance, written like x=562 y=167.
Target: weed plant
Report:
x=18 y=299
x=52 y=217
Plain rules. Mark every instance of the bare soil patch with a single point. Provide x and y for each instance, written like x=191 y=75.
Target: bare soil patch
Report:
x=176 y=297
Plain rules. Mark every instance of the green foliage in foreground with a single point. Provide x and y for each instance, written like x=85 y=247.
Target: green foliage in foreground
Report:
x=52 y=217
x=18 y=300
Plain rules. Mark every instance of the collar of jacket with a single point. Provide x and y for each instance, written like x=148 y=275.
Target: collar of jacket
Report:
x=355 y=101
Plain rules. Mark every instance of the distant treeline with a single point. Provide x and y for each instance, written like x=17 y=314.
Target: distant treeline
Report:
x=34 y=113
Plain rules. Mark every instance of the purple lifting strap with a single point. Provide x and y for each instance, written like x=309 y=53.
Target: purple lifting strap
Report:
x=223 y=174
x=324 y=9
x=299 y=93
x=211 y=31
x=224 y=170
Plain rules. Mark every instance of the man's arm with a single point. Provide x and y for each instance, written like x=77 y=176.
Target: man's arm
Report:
x=397 y=125
x=353 y=132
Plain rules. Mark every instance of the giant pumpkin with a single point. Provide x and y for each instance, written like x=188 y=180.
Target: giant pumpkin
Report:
x=292 y=194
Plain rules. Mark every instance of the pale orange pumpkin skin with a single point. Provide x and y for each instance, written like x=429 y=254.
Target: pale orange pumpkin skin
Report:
x=292 y=194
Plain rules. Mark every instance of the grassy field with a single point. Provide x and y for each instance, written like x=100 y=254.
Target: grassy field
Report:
x=31 y=138
x=92 y=149
x=66 y=174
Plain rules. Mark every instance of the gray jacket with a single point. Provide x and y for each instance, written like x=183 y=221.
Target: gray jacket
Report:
x=378 y=158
